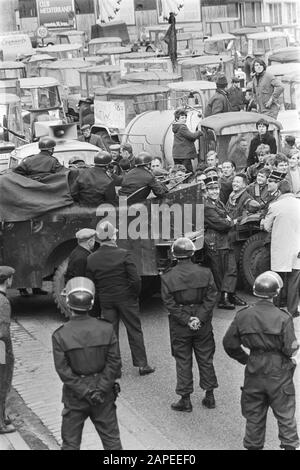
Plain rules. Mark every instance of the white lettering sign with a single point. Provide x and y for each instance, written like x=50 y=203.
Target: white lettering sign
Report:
x=110 y=113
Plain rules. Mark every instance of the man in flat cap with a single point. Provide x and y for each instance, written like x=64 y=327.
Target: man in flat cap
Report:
x=235 y=95
x=6 y=351
x=93 y=139
x=78 y=257
x=219 y=102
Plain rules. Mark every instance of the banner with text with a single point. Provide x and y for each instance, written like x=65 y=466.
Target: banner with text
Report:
x=110 y=113
x=56 y=13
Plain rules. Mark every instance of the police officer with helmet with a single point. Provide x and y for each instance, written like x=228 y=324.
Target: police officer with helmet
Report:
x=93 y=185
x=268 y=332
x=43 y=163
x=87 y=359
x=189 y=293
x=141 y=178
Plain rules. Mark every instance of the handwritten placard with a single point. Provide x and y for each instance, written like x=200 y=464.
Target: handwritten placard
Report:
x=110 y=113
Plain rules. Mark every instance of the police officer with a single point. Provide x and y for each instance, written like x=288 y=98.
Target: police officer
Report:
x=87 y=359
x=118 y=285
x=6 y=351
x=78 y=257
x=93 y=185
x=189 y=293
x=43 y=163
x=218 y=225
x=268 y=333
x=141 y=177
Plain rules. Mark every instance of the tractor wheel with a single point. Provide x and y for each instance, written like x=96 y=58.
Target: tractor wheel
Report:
x=254 y=259
x=107 y=140
x=58 y=285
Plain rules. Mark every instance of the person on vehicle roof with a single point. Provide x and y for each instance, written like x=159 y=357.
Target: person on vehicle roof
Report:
x=263 y=137
x=219 y=102
x=235 y=95
x=184 y=150
x=41 y=164
x=266 y=89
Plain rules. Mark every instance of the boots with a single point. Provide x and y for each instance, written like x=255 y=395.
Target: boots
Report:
x=235 y=300
x=5 y=423
x=184 y=404
x=209 y=399
x=225 y=303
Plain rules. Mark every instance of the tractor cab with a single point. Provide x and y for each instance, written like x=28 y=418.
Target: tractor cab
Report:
x=62 y=51
x=11 y=126
x=98 y=44
x=220 y=44
x=241 y=35
x=112 y=55
x=206 y=67
x=291 y=29
x=102 y=75
x=193 y=94
x=71 y=37
x=41 y=101
x=35 y=61
x=285 y=55
x=264 y=44
x=291 y=85
x=152 y=77
x=135 y=63
x=10 y=70
x=223 y=132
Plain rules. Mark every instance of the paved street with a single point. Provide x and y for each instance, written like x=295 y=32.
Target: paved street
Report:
x=146 y=420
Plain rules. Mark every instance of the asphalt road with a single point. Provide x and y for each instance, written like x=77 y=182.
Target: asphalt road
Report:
x=151 y=396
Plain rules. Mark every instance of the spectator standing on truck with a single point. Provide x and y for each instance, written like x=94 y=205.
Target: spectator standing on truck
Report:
x=41 y=164
x=266 y=89
x=263 y=137
x=87 y=359
x=258 y=190
x=6 y=351
x=267 y=332
x=93 y=139
x=93 y=185
x=235 y=95
x=184 y=150
x=118 y=286
x=189 y=293
x=219 y=102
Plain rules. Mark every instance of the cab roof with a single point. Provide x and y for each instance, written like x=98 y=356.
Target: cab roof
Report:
x=243 y=31
x=10 y=64
x=220 y=37
x=152 y=75
x=219 y=122
x=281 y=69
x=206 y=60
x=286 y=54
x=59 y=48
x=105 y=40
x=268 y=35
x=103 y=68
x=67 y=64
x=38 y=57
x=138 y=89
x=9 y=98
x=38 y=82
x=113 y=50
x=192 y=85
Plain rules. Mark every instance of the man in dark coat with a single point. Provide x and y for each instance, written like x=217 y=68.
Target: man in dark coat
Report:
x=184 y=149
x=219 y=102
x=118 y=286
x=235 y=95
x=93 y=185
x=218 y=247
x=189 y=293
x=87 y=359
x=43 y=163
x=141 y=178
x=93 y=139
x=268 y=333
x=228 y=173
x=263 y=137
x=78 y=257
x=6 y=350
x=238 y=197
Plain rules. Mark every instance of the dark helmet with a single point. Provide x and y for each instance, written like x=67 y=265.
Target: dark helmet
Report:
x=143 y=158
x=80 y=293
x=183 y=248
x=102 y=158
x=46 y=143
x=267 y=285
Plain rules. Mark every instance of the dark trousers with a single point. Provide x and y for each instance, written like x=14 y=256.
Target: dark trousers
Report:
x=187 y=162
x=290 y=293
x=260 y=392
x=224 y=269
x=6 y=375
x=128 y=312
x=184 y=342
x=103 y=417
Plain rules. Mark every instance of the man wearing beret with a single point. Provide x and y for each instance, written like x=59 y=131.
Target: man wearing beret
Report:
x=219 y=102
x=78 y=257
x=6 y=351
x=93 y=139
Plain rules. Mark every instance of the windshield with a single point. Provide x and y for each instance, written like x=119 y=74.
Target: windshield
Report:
x=40 y=98
x=264 y=45
x=12 y=73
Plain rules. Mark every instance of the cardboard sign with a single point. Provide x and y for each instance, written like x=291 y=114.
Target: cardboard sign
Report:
x=110 y=113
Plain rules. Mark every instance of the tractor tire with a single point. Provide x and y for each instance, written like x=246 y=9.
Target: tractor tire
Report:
x=107 y=140
x=58 y=285
x=254 y=259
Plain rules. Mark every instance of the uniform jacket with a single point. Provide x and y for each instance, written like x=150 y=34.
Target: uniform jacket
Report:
x=218 y=103
x=283 y=221
x=264 y=87
x=85 y=346
x=94 y=140
x=77 y=263
x=114 y=273
x=92 y=187
x=183 y=144
x=269 y=334
x=235 y=210
x=267 y=139
x=140 y=177
x=216 y=225
x=257 y=192
x=38 y=165
x=188 y=290
x=236 y=98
